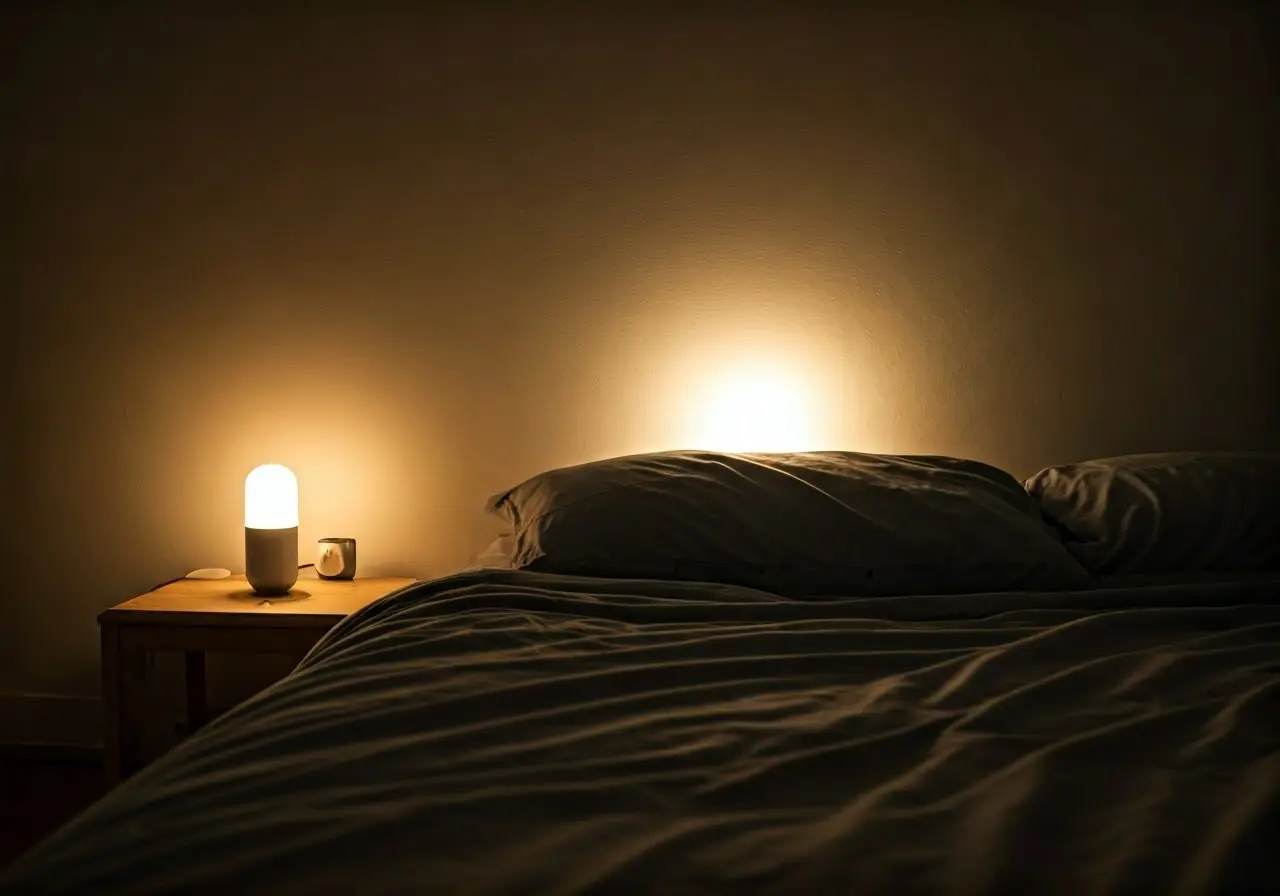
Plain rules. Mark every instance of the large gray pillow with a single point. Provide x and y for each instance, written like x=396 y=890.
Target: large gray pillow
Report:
x=1173 y=512
x=814 y=523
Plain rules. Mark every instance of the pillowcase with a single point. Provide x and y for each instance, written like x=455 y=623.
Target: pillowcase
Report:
x=802 y=524
x=1173 y=512
x=496 y=556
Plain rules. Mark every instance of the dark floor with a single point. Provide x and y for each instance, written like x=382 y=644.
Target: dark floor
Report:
x=40 y=788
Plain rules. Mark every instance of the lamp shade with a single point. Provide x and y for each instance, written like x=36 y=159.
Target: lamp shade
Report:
x=271 y=498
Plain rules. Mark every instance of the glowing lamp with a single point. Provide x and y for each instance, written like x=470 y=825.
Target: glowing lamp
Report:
x=271 y=529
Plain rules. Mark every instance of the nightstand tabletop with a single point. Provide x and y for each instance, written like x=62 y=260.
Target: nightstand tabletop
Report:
x=313 y=603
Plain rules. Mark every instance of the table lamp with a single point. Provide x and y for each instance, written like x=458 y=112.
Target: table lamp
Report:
x=271 y=529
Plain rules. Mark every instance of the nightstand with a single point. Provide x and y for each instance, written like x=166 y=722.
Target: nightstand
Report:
x=193 y=617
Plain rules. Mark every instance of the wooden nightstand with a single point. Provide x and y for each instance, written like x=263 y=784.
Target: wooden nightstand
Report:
x=197 y=616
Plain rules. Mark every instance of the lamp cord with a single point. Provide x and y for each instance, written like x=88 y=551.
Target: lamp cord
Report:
x=183 y=578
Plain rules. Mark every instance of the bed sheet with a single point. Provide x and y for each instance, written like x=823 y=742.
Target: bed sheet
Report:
x=502 y=731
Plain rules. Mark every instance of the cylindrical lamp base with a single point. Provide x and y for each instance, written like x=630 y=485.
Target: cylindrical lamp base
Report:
x=271 y=559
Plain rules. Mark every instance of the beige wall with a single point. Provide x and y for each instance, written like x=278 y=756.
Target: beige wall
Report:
x=418 y=260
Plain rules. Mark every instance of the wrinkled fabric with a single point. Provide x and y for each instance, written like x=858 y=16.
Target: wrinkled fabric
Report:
x=1173 y=512
x=506 y=731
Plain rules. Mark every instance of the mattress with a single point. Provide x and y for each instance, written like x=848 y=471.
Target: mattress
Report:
x=502 y=731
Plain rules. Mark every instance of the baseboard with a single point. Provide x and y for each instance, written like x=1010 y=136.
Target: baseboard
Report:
x=73 y=724
x=51 y=754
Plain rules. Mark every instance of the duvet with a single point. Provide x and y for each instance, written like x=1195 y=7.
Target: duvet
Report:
x=506 y=731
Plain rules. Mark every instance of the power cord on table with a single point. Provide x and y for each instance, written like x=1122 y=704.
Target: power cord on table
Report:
x=184 y=578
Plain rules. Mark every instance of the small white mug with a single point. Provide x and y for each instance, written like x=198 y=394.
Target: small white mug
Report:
x=336 y=558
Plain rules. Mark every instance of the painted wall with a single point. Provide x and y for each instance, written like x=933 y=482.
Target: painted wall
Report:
x=418 y=259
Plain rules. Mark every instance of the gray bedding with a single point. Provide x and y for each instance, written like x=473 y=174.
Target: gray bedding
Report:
x=504 y=731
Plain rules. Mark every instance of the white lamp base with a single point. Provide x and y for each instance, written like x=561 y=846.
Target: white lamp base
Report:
x=271 y=559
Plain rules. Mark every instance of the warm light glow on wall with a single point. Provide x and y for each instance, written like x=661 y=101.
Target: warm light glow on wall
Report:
x=728 y=354
x=755 y=408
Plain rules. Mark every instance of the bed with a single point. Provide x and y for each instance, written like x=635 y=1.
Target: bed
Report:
x=520 y=730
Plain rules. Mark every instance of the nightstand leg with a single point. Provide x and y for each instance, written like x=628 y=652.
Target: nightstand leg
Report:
x=132 y=676
x=112 y=704
x=197 y=690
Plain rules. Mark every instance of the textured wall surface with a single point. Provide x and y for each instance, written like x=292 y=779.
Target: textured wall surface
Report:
x=419 y=258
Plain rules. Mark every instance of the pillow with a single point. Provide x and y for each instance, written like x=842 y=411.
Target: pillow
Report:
x=803 y=524
x=1176 y=512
